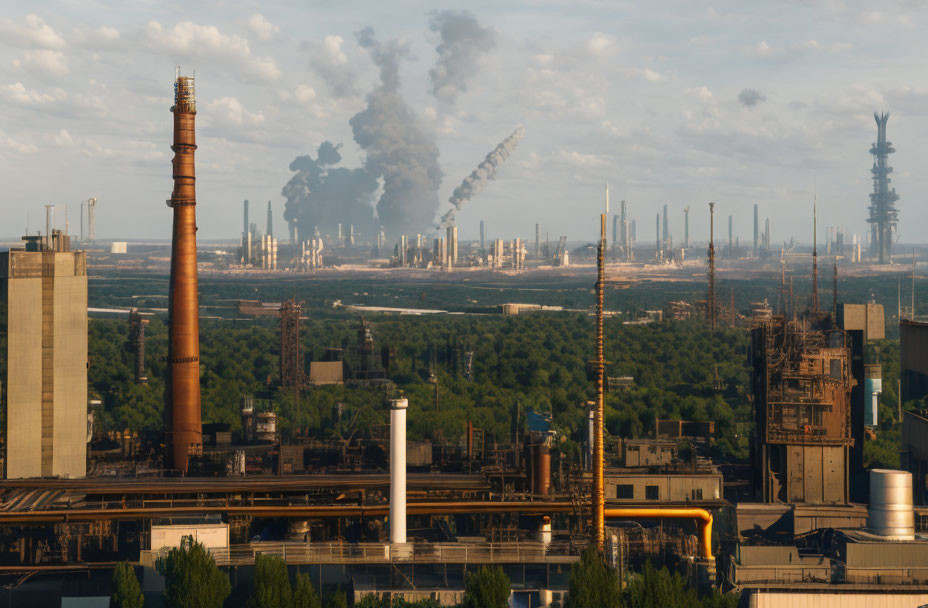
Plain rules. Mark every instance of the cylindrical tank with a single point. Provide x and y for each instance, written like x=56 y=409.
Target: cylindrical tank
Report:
x=542 y=469
x=891 y=513
x=398 y=470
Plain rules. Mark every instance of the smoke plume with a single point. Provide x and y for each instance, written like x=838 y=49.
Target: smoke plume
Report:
x=322 y=195
x=462 y=41
x=479 y=177
x=397 y=148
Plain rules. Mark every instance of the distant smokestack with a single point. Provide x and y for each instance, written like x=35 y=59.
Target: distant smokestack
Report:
x=686 y=227
x=270 y=220
x=182 y=407
x=398 y=470
x=657 y=238
x=537 y=239
x=666 y=236
x=756 y=230
x=91 y=219
x=483 y=236
x=731 y=249
x=766 y=237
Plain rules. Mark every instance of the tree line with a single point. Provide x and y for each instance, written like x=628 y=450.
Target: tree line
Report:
x=193 y=580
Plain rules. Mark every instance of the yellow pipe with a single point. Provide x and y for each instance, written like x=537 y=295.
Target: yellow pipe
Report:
x=702 y=516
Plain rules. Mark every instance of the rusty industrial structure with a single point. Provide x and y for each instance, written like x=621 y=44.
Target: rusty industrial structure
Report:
x=137 y=344
x=802 y=412
x=291 y=365
x=182 y=403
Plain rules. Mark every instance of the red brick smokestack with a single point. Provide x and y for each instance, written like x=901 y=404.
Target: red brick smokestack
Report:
x=182 y=399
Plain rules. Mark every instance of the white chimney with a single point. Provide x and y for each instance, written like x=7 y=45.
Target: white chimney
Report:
x=398 y=470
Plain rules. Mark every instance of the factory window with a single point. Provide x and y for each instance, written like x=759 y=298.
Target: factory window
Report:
x=652 y=493
x=697 y=493
x=625 y=490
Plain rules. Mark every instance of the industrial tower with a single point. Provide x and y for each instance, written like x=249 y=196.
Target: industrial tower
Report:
x=883 y=212
x=182 y=403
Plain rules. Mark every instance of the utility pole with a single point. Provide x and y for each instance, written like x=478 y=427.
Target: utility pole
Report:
x=599 y=496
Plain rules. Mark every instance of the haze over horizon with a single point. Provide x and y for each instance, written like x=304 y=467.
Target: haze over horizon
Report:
x=678 y=104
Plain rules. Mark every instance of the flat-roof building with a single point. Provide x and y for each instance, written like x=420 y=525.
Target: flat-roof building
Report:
x=43 y=326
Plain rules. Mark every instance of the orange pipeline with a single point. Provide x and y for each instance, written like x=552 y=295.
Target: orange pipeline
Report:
x=702 y=516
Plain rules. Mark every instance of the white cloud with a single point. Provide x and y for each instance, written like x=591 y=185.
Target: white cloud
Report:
x=188 y=40
x=333 y=50
x=261 y=27
x=20 y=94
x=702 y=93
x=651 y=75
x=33 y=33
x=228 y=111
x=99 y=37
x=63 y=139
x=601 y=46
x=304 y=93
x=330 y=63
x=43 y=60
x=8 y=143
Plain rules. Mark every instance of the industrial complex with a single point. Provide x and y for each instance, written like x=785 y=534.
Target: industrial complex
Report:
x=799 y=521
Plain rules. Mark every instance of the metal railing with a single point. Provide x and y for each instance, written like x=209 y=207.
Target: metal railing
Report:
x=386 y=553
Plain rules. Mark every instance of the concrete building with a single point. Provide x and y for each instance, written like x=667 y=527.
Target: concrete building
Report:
x=915 y=452
x=913 y=359
x=868 y=318
x=43 y=326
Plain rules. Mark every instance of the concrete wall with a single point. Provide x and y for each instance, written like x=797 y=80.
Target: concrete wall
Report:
x=24 y=378
x=670 y=488
x=46 y=331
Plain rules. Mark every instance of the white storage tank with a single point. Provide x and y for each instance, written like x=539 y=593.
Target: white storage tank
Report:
x=891 y=513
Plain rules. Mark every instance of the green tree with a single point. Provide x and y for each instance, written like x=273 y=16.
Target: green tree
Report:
x=304 y=594
x=337 y=599
x=192 y=579
x=655 y=588
x=127 y=593
x=487 y=588
x=593 y=583
x=272 y=584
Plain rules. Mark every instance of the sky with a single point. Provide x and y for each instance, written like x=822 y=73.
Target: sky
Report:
x=674 y=102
